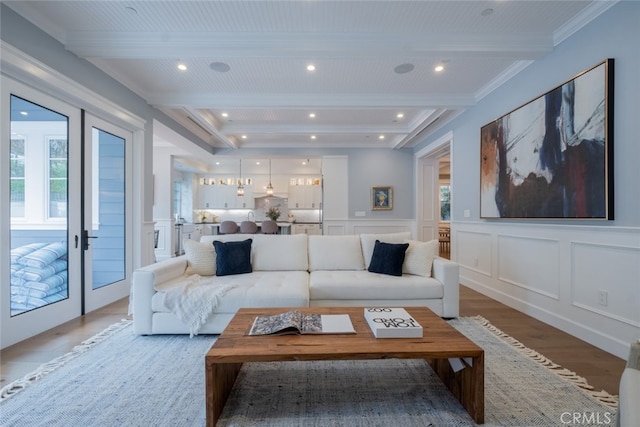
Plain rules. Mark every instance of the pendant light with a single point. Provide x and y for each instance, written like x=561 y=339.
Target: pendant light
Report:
x=269 y=187
x=240 y=191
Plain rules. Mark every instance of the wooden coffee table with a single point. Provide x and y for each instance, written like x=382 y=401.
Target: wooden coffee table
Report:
x=440 y=342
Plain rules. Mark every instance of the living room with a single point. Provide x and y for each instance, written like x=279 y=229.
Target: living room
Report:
x=569 y=297
x=556 y=271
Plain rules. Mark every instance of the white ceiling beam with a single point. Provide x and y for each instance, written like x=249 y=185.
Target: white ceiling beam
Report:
x=140 y=45
x=305 y=100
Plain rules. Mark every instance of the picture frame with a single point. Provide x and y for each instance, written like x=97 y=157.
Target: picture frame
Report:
x=382 y=198
x=552 y=158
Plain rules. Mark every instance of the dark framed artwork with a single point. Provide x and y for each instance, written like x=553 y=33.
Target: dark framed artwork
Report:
x=552 y=158
x=382 y=198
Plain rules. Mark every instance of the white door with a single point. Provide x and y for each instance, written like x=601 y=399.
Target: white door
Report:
x=428 y=191
x=40 y=203
x=107 y=227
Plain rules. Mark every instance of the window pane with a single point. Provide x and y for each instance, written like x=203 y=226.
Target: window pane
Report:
x=445 y=203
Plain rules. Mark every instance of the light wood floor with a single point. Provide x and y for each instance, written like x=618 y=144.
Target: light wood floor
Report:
x=601 y=369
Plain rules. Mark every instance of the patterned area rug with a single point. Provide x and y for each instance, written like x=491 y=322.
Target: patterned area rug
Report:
x=119 y=379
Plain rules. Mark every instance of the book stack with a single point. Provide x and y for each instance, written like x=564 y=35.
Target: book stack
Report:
x=388 y=322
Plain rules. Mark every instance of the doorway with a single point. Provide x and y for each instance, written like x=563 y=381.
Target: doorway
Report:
x=434 y=192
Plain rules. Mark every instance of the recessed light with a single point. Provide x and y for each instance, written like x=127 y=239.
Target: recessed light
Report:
x=24 y=113
x=313 y=137
x=182 y=66
x=244 y=137
x=312 y=115
x=311 y=67
x=399 y=115
x=257 y=163
x=439 y=68
x=381 y=137
x=225 y=114
x=218 y=163
x=404 y=68
x=488 y=11
x=220 y=67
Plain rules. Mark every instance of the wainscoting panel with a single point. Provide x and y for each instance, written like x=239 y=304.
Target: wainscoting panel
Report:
x=601 y=278
x=582 y=279
x=474 y=251
x=530 y=263
x=165 y=249
x=368 y=226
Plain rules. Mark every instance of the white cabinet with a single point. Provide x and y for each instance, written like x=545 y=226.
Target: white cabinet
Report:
x=224 y=197
x=305 y=197
x=306 y=229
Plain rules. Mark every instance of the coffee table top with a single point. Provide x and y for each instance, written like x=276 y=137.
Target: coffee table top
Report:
x=439 y=340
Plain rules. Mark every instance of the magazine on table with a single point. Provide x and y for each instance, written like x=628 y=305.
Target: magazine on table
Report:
x=297 y=322
x=386 y=322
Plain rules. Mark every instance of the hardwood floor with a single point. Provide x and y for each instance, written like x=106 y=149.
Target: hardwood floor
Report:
x=601 y=369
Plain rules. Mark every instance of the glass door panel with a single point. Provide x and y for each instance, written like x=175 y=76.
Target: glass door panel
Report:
x=107 y=222
x=40 y=283
x=38 y=184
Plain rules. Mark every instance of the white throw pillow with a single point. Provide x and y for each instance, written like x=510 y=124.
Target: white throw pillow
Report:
x=201 y=258
x=418 y=259
x=369 y=241
x=335 y=253
x=273 y=252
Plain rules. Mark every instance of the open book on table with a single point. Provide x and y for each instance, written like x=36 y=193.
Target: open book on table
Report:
x=296 y=322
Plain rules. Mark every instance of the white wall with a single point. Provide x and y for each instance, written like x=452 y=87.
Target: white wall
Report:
x=556 y=270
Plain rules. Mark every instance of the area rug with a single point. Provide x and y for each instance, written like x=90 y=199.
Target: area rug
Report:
x=119 y=379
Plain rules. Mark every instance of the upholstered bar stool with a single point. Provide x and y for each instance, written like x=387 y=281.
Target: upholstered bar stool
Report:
x=269 y=227
x=248 y=227
x=228 y=227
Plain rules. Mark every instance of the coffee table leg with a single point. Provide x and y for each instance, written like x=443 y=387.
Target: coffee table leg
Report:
x=219 y=379
x=466 y=385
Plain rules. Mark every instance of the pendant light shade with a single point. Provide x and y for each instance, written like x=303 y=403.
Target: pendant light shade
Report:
x=269 y=187
x=240 y=191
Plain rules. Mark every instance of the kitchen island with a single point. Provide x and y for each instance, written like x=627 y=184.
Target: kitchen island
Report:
x=283 y=227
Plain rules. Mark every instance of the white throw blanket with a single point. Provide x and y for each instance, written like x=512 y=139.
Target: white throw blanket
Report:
x=194 y=300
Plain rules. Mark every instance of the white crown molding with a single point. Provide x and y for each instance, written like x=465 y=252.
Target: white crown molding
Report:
x=25 y=69
x=591 y=12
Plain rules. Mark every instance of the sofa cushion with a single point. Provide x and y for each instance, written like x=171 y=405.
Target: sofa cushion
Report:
x=363 y=285
x=368 y=242
x=335 y=253
x=233 y=257
x=419 y=257
x=274 y=252
x=201 y=258
x=388 y=258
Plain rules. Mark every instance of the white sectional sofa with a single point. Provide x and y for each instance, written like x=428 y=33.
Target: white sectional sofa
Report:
x=292 y=271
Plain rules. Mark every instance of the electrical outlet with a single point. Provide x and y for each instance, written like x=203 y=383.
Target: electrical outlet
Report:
x=603 y=297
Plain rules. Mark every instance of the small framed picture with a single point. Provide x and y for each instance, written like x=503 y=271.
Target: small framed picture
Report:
x=381 y=198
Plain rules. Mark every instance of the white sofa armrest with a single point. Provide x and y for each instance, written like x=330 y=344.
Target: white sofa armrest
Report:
x=628 y=411
x=144 y=283
x=447 y=273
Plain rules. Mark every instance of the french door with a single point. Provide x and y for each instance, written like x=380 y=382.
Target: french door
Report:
x=106 y=233
x=66 y=203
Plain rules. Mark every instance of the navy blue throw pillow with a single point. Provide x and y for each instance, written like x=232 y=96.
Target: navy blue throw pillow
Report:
x=233 y=257
x=387 y=258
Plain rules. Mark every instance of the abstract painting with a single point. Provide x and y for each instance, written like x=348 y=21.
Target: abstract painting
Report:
x=552 y=157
